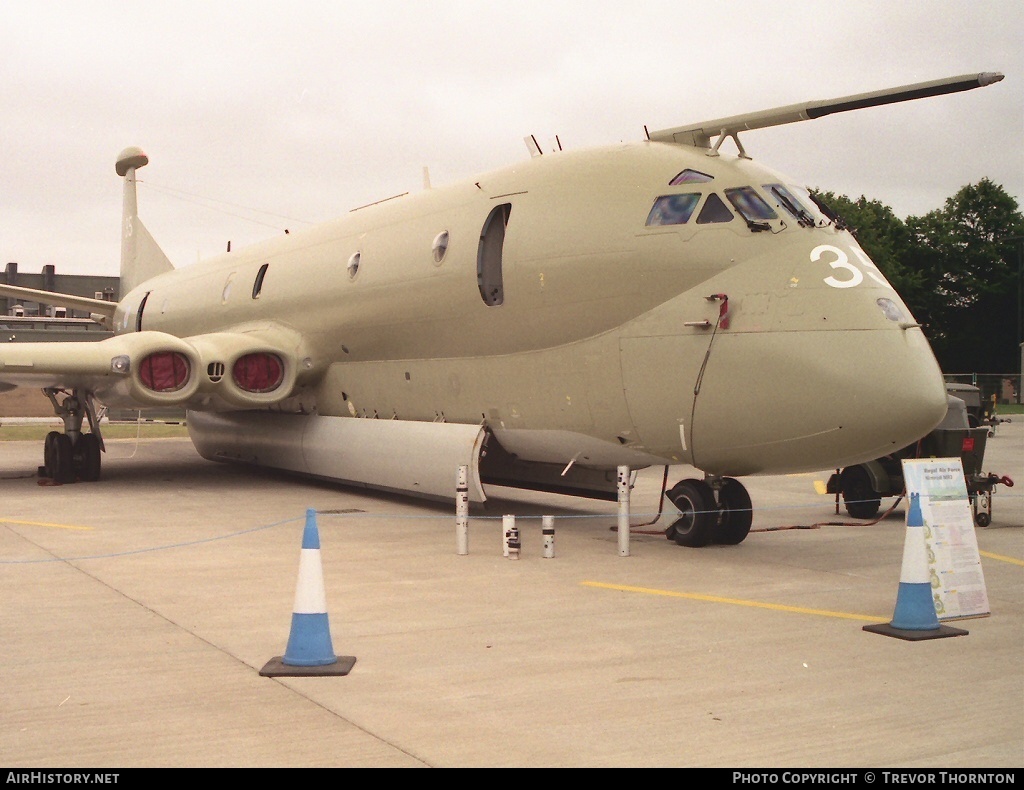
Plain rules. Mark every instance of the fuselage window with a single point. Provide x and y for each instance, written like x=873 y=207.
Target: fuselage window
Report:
x=353 y=265
x=714 y=210
x=750 y=204
x=790 y=203
x=690 y=177
x=226 y=293
x=440 y=246
x=258 y=285
x=488 y=255
x=673 y=209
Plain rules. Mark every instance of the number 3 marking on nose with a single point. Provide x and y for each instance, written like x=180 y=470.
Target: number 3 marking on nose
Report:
x=842 y=263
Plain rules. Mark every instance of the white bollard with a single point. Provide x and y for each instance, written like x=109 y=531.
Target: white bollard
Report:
x=547 y=530
x=508 y=525
x=623 y=529
x=512 y=539
x=462 y=510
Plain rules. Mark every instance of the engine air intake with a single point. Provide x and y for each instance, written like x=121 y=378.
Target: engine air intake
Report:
x=164 y=371
x=259 y=372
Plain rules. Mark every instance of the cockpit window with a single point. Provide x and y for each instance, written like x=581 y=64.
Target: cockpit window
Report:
x=673 y=209
x=690 y=177
x=791 y=203
x=714 y=210
x=828 y=212
x=750 y=204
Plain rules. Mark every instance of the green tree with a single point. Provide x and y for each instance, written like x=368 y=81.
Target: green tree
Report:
x=968 y=255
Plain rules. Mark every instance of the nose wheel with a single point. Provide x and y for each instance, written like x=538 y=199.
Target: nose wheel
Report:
x=716 y=510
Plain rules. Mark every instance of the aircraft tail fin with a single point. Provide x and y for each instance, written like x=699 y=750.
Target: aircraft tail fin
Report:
x=141 y=256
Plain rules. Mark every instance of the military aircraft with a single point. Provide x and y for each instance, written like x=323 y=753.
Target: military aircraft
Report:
x=653 y=303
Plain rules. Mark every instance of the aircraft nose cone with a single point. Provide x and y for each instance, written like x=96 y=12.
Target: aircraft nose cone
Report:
x=862 y=395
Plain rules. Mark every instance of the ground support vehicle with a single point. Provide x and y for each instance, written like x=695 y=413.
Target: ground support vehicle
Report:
x=863 y=486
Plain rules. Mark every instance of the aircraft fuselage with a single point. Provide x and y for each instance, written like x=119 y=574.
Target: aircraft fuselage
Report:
x=570 y=320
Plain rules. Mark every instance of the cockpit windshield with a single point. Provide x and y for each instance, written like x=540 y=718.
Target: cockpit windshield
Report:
x=673 y=209
x=750 y=204
x=791 y=203
x=689 y=176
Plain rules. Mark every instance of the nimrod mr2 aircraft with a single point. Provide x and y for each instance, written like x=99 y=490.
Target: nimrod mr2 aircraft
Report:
x=653 y=303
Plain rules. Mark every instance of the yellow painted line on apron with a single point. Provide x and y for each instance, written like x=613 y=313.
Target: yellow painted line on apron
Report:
x=1002 y=557
x=736 y=602
x=44 y=524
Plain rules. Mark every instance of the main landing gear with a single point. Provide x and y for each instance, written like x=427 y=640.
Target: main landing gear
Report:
x=72 y=455
x=714 y=510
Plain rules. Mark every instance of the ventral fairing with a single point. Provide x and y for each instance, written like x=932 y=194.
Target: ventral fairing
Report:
x=660 y=302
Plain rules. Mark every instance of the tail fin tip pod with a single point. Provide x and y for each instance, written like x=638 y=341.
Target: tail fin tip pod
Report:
x=141 y=256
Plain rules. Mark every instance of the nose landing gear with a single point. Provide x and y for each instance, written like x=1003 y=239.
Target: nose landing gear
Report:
x=713 y=510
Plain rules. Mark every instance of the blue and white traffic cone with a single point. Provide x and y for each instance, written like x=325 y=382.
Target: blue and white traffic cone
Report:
x=309 y=650
x=915 y=616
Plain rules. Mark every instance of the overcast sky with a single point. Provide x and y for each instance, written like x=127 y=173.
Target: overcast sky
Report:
x=258 y=116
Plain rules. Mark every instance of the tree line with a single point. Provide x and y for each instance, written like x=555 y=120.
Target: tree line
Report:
x=958 y=268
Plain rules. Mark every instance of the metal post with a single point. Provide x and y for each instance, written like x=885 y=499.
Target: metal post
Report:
x=512 y=544
x=547 y=528
x=623 y=485
x=508 y=526
x=462 y=510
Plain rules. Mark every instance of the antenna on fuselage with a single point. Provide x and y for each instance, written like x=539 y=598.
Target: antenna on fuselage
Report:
x=532 y=146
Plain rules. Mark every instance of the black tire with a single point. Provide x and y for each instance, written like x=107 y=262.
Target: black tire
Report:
x=983 y=519
x=696 y=501
x=61 y=468
x=87 y=457
x=736 y=513
x=49 y=461
x=860 y=498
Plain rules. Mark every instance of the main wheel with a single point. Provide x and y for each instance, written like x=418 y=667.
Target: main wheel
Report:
x=48 y=453
x=736 y=513
x=858 y=495
x=695 y=500
x=87 y=457
x=60 y=466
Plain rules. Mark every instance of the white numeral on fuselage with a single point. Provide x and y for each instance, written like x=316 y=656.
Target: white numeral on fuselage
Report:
x=842 y=264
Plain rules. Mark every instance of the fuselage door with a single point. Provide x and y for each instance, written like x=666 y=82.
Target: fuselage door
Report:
x=488 y=257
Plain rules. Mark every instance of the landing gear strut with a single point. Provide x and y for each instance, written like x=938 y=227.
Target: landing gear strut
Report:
x=72 y=455
x=714 y=510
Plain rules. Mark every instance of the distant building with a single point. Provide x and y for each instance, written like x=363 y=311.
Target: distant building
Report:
x=23 y=320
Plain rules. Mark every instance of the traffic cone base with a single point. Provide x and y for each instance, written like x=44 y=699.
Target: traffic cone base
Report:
x=913 y=636
x=277 y=668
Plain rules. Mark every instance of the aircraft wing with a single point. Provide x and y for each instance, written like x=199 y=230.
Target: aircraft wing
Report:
x=700 y=134
x=240 y=369
x=100 y=310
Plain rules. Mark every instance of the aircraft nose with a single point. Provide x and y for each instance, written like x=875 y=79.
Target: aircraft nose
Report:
x=834 y=399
